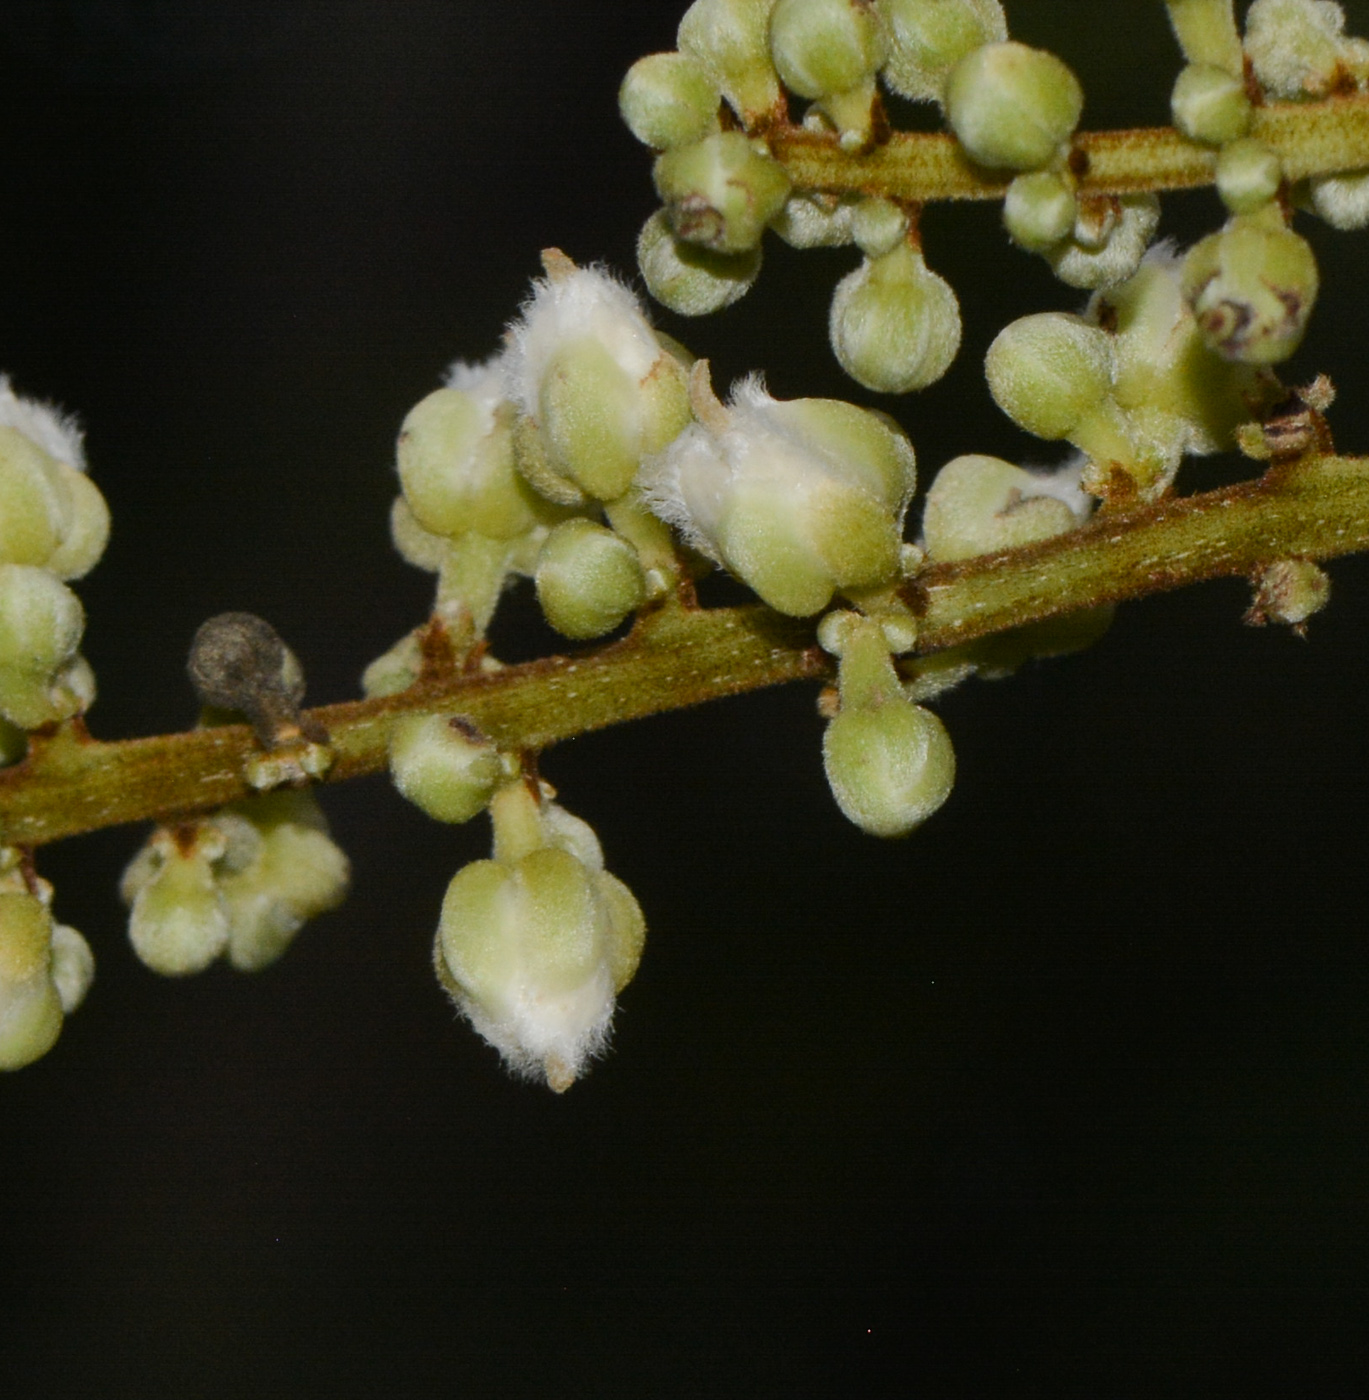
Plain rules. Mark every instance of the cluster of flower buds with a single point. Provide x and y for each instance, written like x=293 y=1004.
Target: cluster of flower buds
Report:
x=534 y=944
x=53 y=528
x=46 y=968
x=240 y=883
x=1132 y=383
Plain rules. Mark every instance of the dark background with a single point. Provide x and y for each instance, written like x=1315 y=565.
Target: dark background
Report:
x=1065 y=1095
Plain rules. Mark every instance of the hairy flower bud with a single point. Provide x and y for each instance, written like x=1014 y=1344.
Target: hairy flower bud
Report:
x=927 y=38
x=41 y=620
x=1012 y=106
x=1210 y=104
x=1252 y=287
x=977 y=505
x=1342 y=200
x=797 y=499
x=730 y=40
x=1108 y=241
x=444 y=765
x=894 y=324
x=1248 y=175
x=1040 y=209
x=30 y=1007
x=824 y=46
x=668 y=100
x=177 y=921
x=721 y=191
x=1298 y=48
x=815 y=220
x=1289 y=591
x=1049 y=371
x=689 y=279
x=1206 y=31
x=588 y=579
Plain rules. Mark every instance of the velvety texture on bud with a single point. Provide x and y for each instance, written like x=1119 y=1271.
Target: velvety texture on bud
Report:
x=1206 y=31
x=1108 y=241
x=1210 y=104
x=1248 y=175
x=1289 y=591
x=41 y=620
x=1039 y=209
x=1342 y=200
x=689 y=279
x=824 y=46
x=894 y=324
x=30 y=1007
x=927 y=38
x=796 y=499
x=444 y=765
x=730 y=39
x=667 y=100
x=177 y=921
x=1252 y=287
x=1011 y=106
x=588 y=579
x=978 y=505
x=1298 y=48
x=815 y=220
x=721 y=192
x=1047 y=372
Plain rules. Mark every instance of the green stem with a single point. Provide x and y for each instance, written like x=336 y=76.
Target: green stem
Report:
x=1315 y=508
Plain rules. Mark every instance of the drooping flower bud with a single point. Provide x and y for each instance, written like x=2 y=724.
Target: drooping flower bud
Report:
x=689 y=279
x=177 y=921
x=894 y=324
x=534 y=945
x=1012 y=106
x=588 y=579
x=1298 y=48
x=590 y=375
x=721 y=191
x=1210 y=104
x=444 y=765
x=977 y=505
x=1342 y=200
x=730 y=39
x=1040 y=209
x=797 y=499
x=1248 y=175
x=889 y=762
x=927 y=38
x=668 y=100
x=1252 y=286
x=42 y=678
x=1108 y=241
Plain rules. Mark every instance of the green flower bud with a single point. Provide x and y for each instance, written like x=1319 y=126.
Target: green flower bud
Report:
x=1298 y=48
x=1109 y=240
x=730 y=40
x=895 y=325
x=815 y=220
x=1206 y=31
x=1252 y=287
x=30 y=1006
x=1013 y=106
x=417 y=546
x=589 y=372
x=37 y=501
x=1342 y=200
x=824 y=46
x=1049 y=372
x=1289 y=591
x=588 y=579
x=1040 y=209
x=668 y=100
x=1248 y=175
x=1210 y=104
x=534 y=947
x=87 y=529
x=444 y=765
x=41 y=621
x=455 y=458
x=721 y=192
x=73 y=967
x=690 y=280
x=927 y=38
x=178 y=923
x=878 y=226
x=978 y=505
x=797 y=500
x=394 y=670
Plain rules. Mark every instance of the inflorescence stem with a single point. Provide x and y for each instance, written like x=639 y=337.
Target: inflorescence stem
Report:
x=1315 y=507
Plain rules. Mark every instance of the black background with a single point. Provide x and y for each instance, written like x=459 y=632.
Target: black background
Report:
x=1065 y=1095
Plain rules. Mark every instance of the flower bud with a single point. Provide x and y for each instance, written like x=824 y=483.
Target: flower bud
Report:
x=1108 y=241
x=894 y=324
x=689 y=279
x=927 y=38
x=978 y=505
x=37 y=502
x=668 y=100
x=796 y=499
x=1298 y=48
x=87 y=529
x=1012 y=106
x=588 y=371
x=73 y=967
x=1206 y=31
x=1210 y=104
x=730 y=40
x=878 y=226
x=815 y=220
x=1252 y=287
x=824 y=46
x=1248 y=175
x=1342 y=200
x=721 y=192
x=444 y=765
x=30 y=1006
x=41 y=621
x=1049 y=371
x=455 y=458
x=1039 y=209
x=1289 y=591
x=588 y=579
x=178 y=923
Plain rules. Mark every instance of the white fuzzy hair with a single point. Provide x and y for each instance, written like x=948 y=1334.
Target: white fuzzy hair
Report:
x=57 y=433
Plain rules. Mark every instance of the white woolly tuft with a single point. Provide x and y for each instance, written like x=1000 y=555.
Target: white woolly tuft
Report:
x=484 y=382
x=586 y=304
x=57 y=433
x=1062 y=483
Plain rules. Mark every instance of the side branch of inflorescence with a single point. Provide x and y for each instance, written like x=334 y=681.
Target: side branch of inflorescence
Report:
x=1316 y=507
